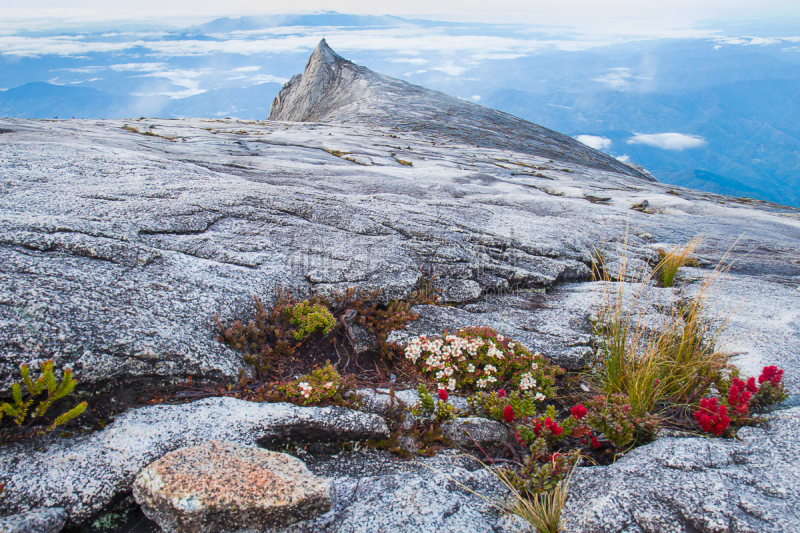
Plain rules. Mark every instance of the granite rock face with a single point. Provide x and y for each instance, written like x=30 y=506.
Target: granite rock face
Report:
x=117 y=250
x=50 y=520
x=680 y=485
x=84 y=474
x=219 y=487
x=413 y=497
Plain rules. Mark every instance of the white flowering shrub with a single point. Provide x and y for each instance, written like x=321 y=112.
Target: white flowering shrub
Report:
x=478 y=358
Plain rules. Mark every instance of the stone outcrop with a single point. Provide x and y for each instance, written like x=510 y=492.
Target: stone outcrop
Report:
x=85 y=474
x=678 y=485
x=118 y=250
x=219 y=487
x=50 y=520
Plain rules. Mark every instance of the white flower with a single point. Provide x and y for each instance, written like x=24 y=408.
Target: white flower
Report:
x=448 y=371
x=490 y=368
x=470 y=368
x=491 y=379
x=439 y=386
x=329 y=384
x=305 y=388
x=481 y=383
x=526 y=381
x=534 y=366
x=539 y=397
x=451 y=384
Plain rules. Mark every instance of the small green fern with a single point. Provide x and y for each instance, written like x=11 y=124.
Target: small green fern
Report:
x=22 y=410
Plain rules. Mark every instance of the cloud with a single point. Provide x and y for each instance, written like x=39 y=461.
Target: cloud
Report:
x=138 y=67
x=619 y=78
x=254 y=68
x=593 y=141
x=413 y=60
x=624 y=158
x=668 y=141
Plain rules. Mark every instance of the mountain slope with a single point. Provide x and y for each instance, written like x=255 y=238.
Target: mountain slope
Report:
x=333 y=89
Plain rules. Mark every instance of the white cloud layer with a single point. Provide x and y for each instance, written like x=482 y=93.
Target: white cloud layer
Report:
x=669 y=141
x=593 y=141
x=620 y=78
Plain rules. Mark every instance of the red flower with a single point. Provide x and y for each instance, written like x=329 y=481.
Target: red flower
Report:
x=508 y=413
x=712 y=417
x=771 y=374
x=752 y=388
x=443 y=395
x=537 y=429
x=595 y=443
x=501 y=393
x=738 y=397
x=553 y=426
x=578 y=412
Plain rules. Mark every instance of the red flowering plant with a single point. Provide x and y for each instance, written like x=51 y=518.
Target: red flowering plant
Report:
x=493 y=404
x=546 y=432
x=712 y=416
x=611 y=416
x=718 y=416
x=771 y=388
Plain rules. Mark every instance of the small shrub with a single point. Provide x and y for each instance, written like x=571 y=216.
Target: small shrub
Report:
x=46 y=391
x=428 y=408
x=522 y=403
x=309 y=319
x=536 y=477
x=322 y=385
x=771 y=388
x=478 y=357
x=612 y=416
x=743 y=399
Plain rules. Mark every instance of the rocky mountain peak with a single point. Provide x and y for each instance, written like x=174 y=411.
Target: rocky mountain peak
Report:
x=333 y=89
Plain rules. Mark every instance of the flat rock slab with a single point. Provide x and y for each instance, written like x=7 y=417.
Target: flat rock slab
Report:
x=218 y=486
x=475 y=431
x=36 y=521
x=688 y=485
x=430 y=501
x=85 y=474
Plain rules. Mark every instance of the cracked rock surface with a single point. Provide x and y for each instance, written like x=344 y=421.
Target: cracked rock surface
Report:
x=118 y=250
x=85 y=474
x=678 y=485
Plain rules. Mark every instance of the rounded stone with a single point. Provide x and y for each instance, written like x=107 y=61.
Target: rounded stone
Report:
x=218 y=487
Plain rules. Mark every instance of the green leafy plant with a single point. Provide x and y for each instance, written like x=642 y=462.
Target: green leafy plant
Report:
x=537 y=477
x=309 y=319
x=612 y=416
x=427 y=407
x=493 y=404
x=27 y=410
x=322 y=385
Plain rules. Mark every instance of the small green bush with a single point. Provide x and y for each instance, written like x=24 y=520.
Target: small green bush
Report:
x=309 y=319
x=612 y=416
x=46 y=391
x=322 y=385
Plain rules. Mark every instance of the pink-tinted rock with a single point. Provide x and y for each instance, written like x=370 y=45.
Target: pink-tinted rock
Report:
x=220 y=486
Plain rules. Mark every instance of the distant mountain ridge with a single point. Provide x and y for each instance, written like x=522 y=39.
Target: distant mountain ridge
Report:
x=333 y=89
